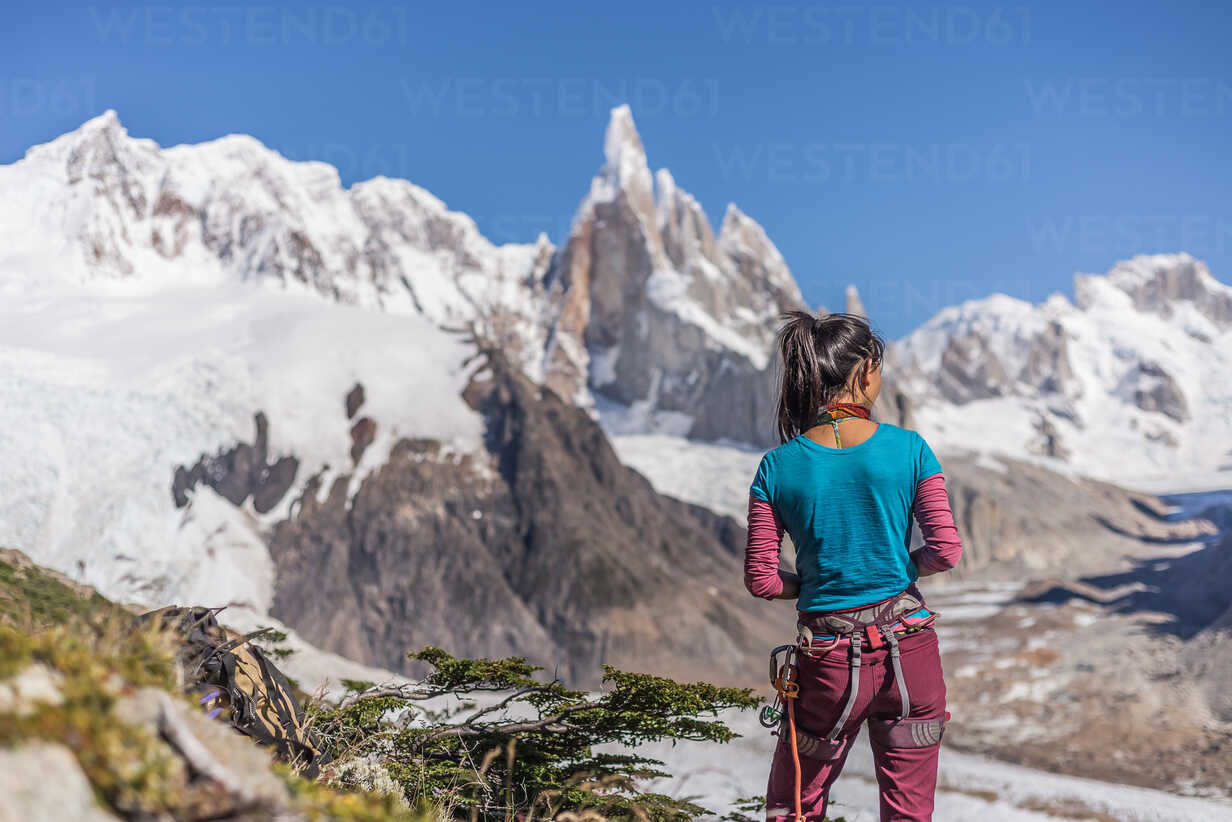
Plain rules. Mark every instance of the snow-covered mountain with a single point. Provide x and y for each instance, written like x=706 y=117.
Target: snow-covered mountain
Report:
x=643 y=303
x=1131 y=382
x=97 y=206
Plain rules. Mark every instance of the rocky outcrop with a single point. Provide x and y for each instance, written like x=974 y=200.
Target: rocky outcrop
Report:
x=1161 y=283
x=1155 y=390
x=1050 y=444
x=42 y=781
x=240 y=472
x=970 y=370
x=650 y=308
x=1048 y=368
x=896 y=403
x=548 y=547
x=1017 y=519
x=354 y=400
x=363 y=433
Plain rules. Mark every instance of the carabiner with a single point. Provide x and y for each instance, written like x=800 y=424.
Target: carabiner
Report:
x=774 y=661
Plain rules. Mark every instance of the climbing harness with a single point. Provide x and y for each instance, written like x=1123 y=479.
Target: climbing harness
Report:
x=880 y=625
x=833 y=413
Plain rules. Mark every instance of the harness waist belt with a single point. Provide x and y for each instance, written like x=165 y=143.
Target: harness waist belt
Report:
x=880 y=625
x=921 y=619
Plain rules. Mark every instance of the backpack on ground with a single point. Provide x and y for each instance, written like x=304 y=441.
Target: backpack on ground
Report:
x=233 y=680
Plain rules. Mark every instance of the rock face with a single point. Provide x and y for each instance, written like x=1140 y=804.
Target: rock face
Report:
x=1155 y=390
x=44 y=782
x=354 y=400
x=240 y=473
x=550 y=549
x=650 y=309
x=970 y=370
x=854 y=304
x=363 y=433
x=1164 y=284
x=1019 y=520
x=1048 y=367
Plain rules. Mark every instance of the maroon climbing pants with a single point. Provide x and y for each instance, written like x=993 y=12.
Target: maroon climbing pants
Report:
x=905 y=754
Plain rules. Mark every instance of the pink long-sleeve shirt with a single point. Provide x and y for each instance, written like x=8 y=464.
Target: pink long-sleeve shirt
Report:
x=942 y=545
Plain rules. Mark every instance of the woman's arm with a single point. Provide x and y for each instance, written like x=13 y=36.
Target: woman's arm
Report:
x=762 y=576
x=942 y=546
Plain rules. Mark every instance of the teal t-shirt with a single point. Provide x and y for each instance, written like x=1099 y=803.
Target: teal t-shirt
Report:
x=848 y=511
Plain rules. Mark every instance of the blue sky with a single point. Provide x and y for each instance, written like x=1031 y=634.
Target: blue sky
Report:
x=927 y=152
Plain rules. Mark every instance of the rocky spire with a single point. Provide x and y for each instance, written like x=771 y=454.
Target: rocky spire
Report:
x=854 y=304
x=745 y=243
x=626 y=175
x=650 y=307
x=685 y=231
x=625 y=167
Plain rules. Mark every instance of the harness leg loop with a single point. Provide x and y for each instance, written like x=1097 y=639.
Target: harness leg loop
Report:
x=907 y=733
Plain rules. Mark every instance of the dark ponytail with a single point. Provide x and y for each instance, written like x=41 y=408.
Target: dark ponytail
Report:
x=819 y=357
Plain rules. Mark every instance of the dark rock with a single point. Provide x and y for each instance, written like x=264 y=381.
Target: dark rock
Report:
x=354 y=399
x=239 y=473
x=1154 y=389
x=274 y=484
x=363 y=432
x=184 y=481
x=235 y=473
